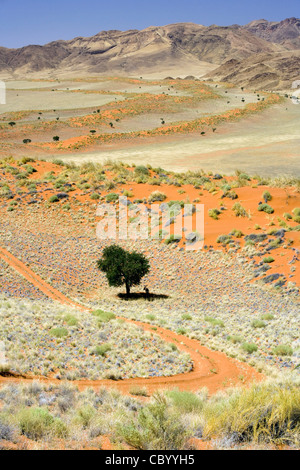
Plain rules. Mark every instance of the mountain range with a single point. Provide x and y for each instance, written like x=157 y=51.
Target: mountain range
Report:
x=261 y=54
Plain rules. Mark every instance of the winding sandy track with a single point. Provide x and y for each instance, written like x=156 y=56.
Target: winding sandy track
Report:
x=212 y=369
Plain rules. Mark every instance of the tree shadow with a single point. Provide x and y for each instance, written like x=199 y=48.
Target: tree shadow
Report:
x=141 y=295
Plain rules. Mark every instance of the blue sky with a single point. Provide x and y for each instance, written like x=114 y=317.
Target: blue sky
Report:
x=41 y=21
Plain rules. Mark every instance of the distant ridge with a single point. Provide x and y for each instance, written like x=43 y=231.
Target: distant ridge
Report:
x=263 y=54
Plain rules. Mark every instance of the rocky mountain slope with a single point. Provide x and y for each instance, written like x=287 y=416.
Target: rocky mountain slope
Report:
x=265 y=49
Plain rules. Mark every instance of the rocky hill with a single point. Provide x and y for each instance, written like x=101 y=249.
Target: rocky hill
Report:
x=268 y=50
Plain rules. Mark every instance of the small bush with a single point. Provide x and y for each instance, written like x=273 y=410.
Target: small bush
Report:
x=224 y=239
x=104 y=316
x=84 y=415
x=258 y=324
x=151 y=317
x=71 y=320
x=214 y=213
x=267 y=316
x=267 y=196
x=172 y=239
x=95 y=196
x=282 y=350
x=102 y=350
x=185 y=402
x=186 y=317
x=128 y=193
x=53 y=198
x=236 y=233
x=138 y=391
x=141 y=170
x=268 y=260
x=249 y=347
x=239 y=210
x=36 y=423
x=181 y=331
x=235 y=339
x=6 y=432
x=267 y=412
x=157 y=196
x=156 y=427
x=215 y=322
x=266 y=208
x=112 y=197
x=59 y=332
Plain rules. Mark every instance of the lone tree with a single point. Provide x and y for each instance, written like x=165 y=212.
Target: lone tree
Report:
x=123 y=267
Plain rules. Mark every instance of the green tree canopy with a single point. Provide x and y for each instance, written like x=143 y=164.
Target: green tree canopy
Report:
x=123 y=267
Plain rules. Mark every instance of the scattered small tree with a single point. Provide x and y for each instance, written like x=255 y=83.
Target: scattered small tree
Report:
x=123 y=267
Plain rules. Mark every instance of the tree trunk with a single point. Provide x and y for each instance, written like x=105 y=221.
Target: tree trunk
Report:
x=127 y=290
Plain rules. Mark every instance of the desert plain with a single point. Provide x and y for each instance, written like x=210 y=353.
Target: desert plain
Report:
x=216 y=352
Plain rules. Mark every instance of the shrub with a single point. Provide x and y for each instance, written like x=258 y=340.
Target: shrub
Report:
x=235 y=339
x=156 y=427
x=181 y=331
x=84 y=415
x=53 y=198
x=258 y=324
x=59 y=332
x=282 y=350
x=141 y=170
x=267 y=412
x=71 y=320
x=185 y=402
x=296 y=212
x=268 y=259
x=214 y=213
x=186 y=317
x=36 y=423
x=214 y=321
x=102 y=350
x=267 y=196
x=173 y=239
x=112 y=197
x=249 y=347
x=239 y=210
x=151 y=317
x=225 y=239
x=6 y=431
x=138 y=391
x=265 y=208
x=157 y=196
x=104 y=316
x=267 y=316
x=128 y=193
x=236 y=233
x=244 y=176
x=95 y=196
